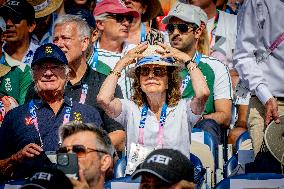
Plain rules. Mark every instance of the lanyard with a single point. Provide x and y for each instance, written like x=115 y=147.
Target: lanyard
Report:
x=143 y=33
x=186 y=80
x=28 y=57
x=32 y=108
x=161 y=124
x=212 y=33
x=2 y=111
x=84 y=94
x=2 y=60
x=95 y=57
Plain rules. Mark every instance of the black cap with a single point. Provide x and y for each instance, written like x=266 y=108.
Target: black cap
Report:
x=19 y=7
x=48 y=179
x=85 y=15
x=47 y=52
x=169 y=165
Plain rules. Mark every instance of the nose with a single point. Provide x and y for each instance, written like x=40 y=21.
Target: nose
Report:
x=151 y=74
x=59 y=42
x=9 y=22
x=48 y=72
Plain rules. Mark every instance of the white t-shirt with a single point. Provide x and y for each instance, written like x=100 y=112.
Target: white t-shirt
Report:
x=177 y=129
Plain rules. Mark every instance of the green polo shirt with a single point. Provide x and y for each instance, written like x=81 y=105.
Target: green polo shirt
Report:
x=16 y=82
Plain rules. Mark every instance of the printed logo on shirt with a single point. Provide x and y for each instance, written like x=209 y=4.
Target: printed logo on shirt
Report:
x=28 y=121
x=8 y=85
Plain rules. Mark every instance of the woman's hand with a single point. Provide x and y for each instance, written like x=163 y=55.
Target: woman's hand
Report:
x=178 y=55
x=131 y=56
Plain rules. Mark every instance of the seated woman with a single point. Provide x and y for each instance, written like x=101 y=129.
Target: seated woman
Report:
x=156 y=117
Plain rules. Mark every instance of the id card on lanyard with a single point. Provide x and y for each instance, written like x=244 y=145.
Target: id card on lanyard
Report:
x=84 y=93
x=32 y=111
x=143 y=33
x=93 y=61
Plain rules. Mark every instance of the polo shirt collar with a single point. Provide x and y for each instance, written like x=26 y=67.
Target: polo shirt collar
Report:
x=39 y=103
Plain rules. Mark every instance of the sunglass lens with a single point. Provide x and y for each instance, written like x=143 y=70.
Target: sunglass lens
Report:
x=145 y=71
x=62 y=150
x=182 y=28
x=129 y=18
x=119 y=18
x=80 y=150
x=170 y=28
x=160 y=72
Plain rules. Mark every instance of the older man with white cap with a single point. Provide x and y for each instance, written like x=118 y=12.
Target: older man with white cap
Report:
x=183 y=25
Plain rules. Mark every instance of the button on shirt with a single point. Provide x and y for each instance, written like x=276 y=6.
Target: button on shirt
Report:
x=17 y=129
x=94 y=81
x=259 y=26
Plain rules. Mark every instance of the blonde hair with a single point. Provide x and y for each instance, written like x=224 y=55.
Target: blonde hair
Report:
x=203 y=45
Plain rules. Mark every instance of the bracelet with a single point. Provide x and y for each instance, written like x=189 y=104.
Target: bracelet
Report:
x=191 y=68
x=117 y=73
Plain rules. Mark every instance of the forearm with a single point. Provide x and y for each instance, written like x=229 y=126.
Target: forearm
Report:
x=221 y=118
x=7 y=165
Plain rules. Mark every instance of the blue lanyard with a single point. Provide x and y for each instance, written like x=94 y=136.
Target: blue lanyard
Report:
x=84 y=93
x=2 y=111
x=32 y=108
x=186 y=80
x=161 y=124
x=143 y=33
x=2 y=60
x=95 y=57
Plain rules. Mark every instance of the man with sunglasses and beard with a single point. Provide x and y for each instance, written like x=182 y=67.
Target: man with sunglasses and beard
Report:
x=183 y=27
x=19 y=16
x=113 y=22
x=29 y=130
x=94 y=150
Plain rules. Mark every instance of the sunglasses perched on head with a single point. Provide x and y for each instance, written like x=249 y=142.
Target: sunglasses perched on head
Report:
x=157 y=71
x=181 y=27
x=16 y=19
x=121 y=17
x=80 y=150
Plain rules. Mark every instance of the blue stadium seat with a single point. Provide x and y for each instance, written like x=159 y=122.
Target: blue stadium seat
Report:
x=230 y=165
x=225 y=183
x=120 y=166
x=199 y=171
x=241 y=139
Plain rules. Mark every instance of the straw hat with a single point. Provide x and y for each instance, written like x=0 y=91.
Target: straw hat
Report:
x=154 y=8
x=45 y=7
x=274 y=139
x=4 y=70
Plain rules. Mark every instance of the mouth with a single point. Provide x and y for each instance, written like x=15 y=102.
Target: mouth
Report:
x=9 y=33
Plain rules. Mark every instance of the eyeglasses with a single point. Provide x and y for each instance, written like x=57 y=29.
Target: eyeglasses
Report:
x=16 y=19
x=157 y=71
x=181 y=27
x=80 y=150
x=121 y=17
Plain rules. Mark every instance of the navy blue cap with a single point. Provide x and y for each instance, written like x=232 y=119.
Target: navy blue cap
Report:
x=85 y=15
x=50 y=52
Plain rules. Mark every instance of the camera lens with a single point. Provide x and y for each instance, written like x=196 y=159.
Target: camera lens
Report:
x=62 y=159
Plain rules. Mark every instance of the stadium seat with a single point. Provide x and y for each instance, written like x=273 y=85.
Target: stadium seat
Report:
x=241 y=139
x=249 y=180
x=230 y=165
x=120 y=166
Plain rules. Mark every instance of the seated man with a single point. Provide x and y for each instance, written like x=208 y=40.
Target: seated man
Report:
x=167 y=169
x=94 y=150
x=32 y=128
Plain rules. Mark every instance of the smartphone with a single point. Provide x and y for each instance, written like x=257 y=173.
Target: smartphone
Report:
x=68 y=164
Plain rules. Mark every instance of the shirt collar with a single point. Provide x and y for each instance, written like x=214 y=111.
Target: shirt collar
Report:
x=39 y=103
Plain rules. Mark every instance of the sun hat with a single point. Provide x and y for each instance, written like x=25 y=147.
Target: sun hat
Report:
x=49 y=51
x=114 y=7
x=44 y=7
x=2 y=24
x=274 y=139
x=19 y=7
x=184 y=12
x=202 y=15
x=169 y=165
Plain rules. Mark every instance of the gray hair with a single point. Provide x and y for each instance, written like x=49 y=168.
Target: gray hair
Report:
x=102 y=141
x=83 y=28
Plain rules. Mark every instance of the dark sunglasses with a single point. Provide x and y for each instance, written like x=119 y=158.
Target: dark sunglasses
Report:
x=80 y=150
x=121 y=17
x=181 y=27
x=16 y=19
x=157 y=71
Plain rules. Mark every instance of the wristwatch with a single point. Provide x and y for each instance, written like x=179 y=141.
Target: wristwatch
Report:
x=188 y=62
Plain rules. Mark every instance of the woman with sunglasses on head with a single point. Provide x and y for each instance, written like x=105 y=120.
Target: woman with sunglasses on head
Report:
x=156 y=117
x=141 y=28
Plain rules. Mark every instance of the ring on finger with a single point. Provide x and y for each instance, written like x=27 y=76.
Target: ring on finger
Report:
x=168 y=51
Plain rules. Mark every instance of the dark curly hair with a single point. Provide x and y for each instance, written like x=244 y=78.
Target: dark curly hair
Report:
x=173 y=91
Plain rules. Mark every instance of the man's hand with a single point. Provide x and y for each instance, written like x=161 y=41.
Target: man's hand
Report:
x=28 y=151
x=271 y=111
x=81 y=183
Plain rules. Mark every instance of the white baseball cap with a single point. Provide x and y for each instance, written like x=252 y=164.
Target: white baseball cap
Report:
x=184 y=12
x=2 y=24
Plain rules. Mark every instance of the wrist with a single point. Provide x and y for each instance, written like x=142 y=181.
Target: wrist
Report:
x=116 y=73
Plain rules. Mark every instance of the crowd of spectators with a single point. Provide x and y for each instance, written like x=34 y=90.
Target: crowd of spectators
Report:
x=107 y=79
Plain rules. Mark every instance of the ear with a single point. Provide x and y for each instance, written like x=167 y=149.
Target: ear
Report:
x=85 y=43
x=100 y=25
x=32 y=27
x=106 y=162
x=144 y=8
x=198 y=33
x=94 y=35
